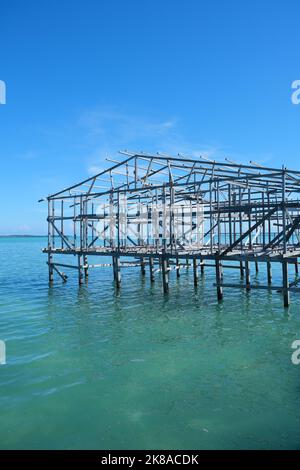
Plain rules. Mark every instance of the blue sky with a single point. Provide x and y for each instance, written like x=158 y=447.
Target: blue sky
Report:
x=86 y=78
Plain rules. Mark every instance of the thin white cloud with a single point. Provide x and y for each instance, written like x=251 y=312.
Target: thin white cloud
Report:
x=107 y=130
x=109 y=123
x=94 y=169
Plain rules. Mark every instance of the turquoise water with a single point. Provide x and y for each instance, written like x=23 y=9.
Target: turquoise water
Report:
x=90 y=367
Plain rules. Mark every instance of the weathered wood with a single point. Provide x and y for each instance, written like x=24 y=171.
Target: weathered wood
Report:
x=64 y=265
x=241 y=267
x=177 y=267
x=151 y=269
x=165 y=276
x=143 y=268
x=114 y=267
x=258 y=287
x=202 y=266
x=269 y=272
x=86 y=267
x=247 y=273
x=62 y=275
x=218 y=280
x=50 y=267
x=80 y=270
x=285 y=284
x=235 y=214
x=195 y=271
x=117 y=270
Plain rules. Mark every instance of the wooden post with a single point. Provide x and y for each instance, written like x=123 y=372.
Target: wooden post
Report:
x=80 y=271
x=177 y=267
x=165 y=276
x=242 y=269
x=187 y=262
x=195 y=266
x=247 y=269
x=86 y=267
x=285 y=283
x=117 y=271
x=219 y=280
x=50 y=267
x=269 y=272
x=202 y=266
x=256 y=267
x=284 y=213
x=114 y=266
x=143 y=269
x=296 y=267
x=50 y=243
x=151 y=268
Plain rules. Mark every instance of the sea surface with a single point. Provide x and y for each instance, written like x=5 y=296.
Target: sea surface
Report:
x=91 y=367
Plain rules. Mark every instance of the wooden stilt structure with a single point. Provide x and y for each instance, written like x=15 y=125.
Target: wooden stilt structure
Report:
x=178 y=211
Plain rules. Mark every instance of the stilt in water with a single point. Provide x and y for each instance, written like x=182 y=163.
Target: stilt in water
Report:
x=117 y=271
x=50 y=267
x=151 y=269
x=86 y=267
x=285 y=283
x=114 y=266
x=165 y=275
x=296 y=268
x=202 y=266
x=219 y=280
x=195 y=267
x=269 y=272
x=242 y=269
x=177 y=267
x=256 y=267
x=80 y=270
x=247 y=272
x=143 y=268
x=187 y=262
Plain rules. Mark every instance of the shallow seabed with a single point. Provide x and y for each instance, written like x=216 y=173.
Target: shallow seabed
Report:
x=92 y=367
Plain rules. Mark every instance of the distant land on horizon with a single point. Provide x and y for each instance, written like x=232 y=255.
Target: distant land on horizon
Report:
x=21 y=236
x=28 y=236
